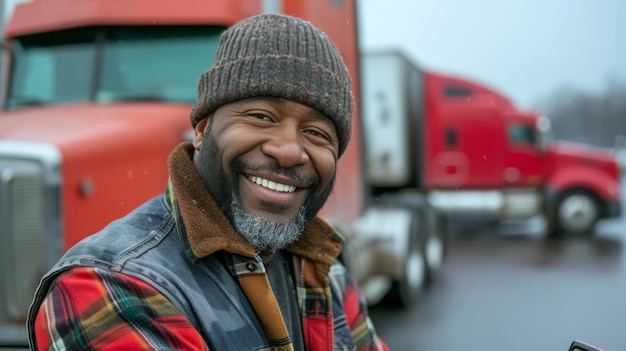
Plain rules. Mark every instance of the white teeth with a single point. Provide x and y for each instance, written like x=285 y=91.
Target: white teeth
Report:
x=283 y=188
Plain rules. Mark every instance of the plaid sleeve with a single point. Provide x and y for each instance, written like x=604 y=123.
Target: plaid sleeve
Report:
x=355 y=309
x=94 y=309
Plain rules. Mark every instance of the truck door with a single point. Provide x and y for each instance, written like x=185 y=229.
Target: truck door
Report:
x=524 y=166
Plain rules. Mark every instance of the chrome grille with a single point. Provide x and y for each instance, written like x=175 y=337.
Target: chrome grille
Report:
x=30 y=236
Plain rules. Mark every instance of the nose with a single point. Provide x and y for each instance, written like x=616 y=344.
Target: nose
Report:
x=286 y=146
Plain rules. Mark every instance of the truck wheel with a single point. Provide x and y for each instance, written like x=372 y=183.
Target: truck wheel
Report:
x=577 y=213
x=406 y=290
x=435 y=247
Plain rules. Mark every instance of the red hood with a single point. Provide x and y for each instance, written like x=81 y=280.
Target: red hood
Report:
x=64 y=125
x=566 y=154
x=582 y=151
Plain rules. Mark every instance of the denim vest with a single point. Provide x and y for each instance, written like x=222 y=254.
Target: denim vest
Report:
x=146 y=245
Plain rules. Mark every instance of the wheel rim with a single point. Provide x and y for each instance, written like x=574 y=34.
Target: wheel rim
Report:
x=577 y=213
x=434 y=253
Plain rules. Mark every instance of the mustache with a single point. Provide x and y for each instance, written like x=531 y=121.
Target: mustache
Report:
x=272 y=166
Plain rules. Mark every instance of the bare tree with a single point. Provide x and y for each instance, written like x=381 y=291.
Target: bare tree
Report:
x=589 y=118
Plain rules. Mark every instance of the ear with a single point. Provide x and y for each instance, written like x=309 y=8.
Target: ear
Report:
x=200 y=129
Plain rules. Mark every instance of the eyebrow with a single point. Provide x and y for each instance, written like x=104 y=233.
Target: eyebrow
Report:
x=283 y=101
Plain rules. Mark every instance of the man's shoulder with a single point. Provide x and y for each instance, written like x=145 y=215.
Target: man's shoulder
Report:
x=138 y=231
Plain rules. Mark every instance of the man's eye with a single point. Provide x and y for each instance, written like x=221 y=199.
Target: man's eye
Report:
x=260 y=116
x=318 y=134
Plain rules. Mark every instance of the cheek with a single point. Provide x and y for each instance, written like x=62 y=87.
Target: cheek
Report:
x=240 y=144
x=219 y=145
x=214 y=157
x=326 y=166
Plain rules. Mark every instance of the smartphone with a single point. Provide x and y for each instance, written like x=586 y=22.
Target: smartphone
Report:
x=578 y=345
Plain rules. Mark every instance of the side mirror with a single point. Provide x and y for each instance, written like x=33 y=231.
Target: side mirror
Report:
x=543 y=130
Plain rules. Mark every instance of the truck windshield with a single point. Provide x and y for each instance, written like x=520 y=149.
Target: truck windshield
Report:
x=111 y=64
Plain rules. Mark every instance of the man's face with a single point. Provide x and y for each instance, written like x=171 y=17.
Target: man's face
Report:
x=270 y=164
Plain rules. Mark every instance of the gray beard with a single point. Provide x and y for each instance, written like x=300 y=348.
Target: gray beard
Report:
x=263 y=234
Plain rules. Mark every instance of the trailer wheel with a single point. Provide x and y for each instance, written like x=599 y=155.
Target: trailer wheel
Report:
x=408 y=288
x=577 y=212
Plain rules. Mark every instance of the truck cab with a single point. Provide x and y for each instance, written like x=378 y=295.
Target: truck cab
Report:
x=491 y=160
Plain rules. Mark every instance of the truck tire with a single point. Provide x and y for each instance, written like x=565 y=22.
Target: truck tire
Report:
x=406 y=290
x=576 y=212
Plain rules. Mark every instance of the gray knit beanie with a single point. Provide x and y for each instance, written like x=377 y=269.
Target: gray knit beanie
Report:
x=279 y=56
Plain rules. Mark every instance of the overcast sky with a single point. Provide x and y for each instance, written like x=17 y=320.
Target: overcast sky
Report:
x=525 y=48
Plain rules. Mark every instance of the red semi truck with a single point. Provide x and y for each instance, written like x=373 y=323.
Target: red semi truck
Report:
x=96 y=93
x=474 y=154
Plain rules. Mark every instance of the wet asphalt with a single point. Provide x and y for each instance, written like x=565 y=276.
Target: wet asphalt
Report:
x=506 y=287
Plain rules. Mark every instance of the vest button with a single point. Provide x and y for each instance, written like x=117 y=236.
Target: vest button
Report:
x=251 y=266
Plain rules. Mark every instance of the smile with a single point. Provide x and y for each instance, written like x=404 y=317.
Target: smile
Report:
x=283 y=188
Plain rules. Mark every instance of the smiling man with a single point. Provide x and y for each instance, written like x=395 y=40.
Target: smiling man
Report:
x=233 y=255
